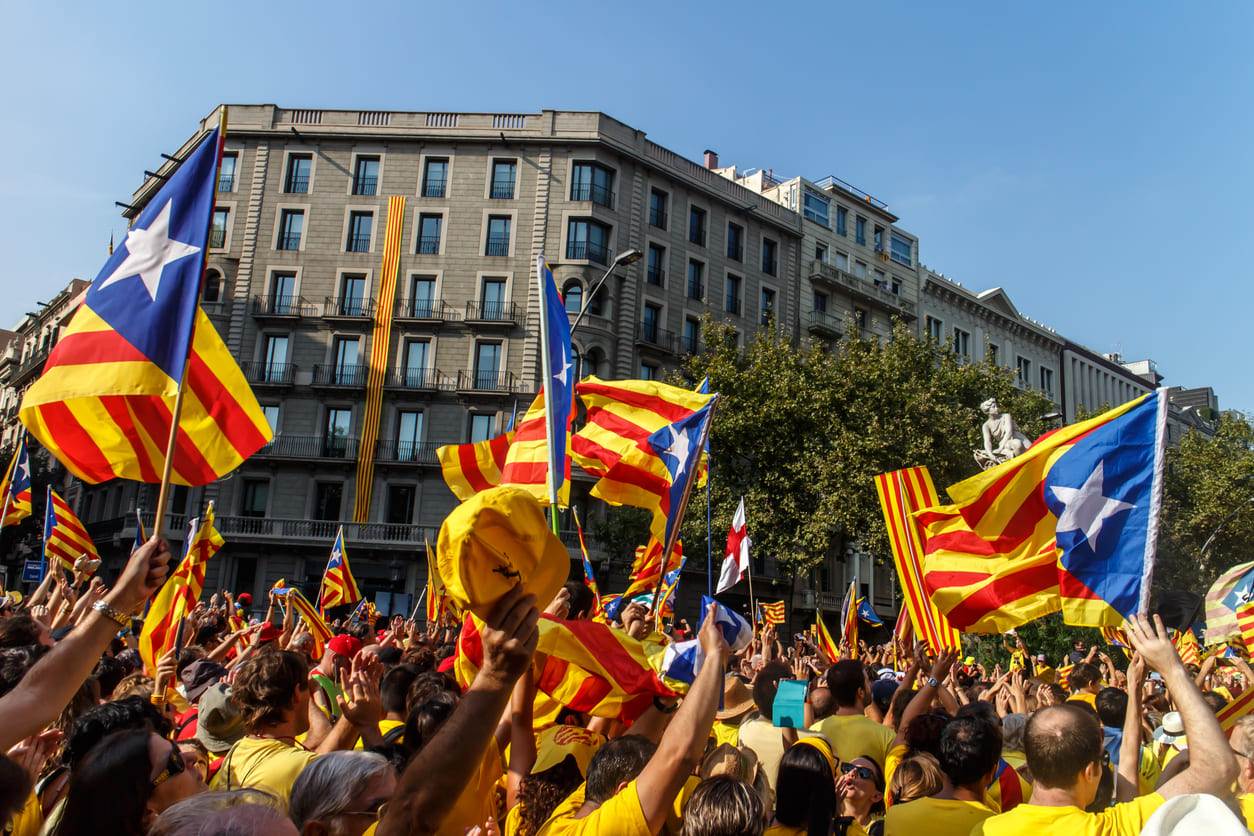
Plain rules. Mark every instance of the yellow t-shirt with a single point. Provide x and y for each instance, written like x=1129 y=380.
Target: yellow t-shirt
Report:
x=513 y=821
x=724 y=733
x=478 y=800
x=854 y=736
x=385 y=726
x=264 y=764
x=935 y=817
x=1247 y=810
x=1121 y=820
x=1084 y=696
x=785 y=830
x=30 y=819
x=621 y=815
x=675 y=817
x=895 y=756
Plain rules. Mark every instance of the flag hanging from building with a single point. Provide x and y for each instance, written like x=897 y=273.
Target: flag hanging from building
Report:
x=178 y=595
x=65 y=537
x=470 y=468
x=849 y=619
x=338 y=584
x=598 y=612
x=104 y=403
x=16 y=486
x=317 y=625
x=991 y=558
x=526 y=463
x=1227 y=594
x=559 y=384
x=901 y=493
x=736 y=555
x=772 y=613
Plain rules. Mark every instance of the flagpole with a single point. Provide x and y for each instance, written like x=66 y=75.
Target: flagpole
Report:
x=752 y=606
x=546 y=363
x=325 y=569
x=413 y=615
x=43 y=553
x=709 y=529
x=177 y=412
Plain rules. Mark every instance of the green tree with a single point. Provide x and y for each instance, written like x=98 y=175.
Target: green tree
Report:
x=803 y=429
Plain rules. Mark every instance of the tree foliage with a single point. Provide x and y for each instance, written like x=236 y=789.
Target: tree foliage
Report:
x=802 y=429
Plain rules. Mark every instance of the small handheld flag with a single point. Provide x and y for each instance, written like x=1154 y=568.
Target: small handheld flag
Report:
x=65 y=537
x=16 y=486
x=849 y=619
x=338 y=585
x=736 y=556
x=772 y=613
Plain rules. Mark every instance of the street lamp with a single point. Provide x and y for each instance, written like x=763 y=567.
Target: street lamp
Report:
x=623 y=259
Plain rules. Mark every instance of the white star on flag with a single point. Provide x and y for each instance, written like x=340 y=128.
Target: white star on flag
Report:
x=679 y=447
x=1086 y=508
x=563 y=374
x=148 y=251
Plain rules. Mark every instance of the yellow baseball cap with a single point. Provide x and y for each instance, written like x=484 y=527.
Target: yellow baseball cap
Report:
x=555 y=743
x=493 y=541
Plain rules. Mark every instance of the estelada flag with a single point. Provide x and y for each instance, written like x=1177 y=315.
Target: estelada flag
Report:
x=647 y=568
x=104 y=403
x=65 y=537
x=849 y=619
x=470 y=468
x=338 y=584
x=16 y=486
x=1245 y=621
x=178 y=596
x=318 y=627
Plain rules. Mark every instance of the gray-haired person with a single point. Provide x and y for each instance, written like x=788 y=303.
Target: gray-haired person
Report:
x=341 y=793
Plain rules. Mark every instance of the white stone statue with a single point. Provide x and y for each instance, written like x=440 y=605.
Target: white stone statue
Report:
x=1003 y=439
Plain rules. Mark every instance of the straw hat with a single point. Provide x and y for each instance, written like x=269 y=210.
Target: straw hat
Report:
x=737 y=698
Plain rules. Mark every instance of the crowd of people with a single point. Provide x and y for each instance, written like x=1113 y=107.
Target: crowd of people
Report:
x=242 y=730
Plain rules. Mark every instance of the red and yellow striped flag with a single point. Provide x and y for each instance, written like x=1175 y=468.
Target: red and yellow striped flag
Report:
x=647 y=569
x=437 y=598
x=825 y=641
x=622 y=414
x=317 y=625
x=901 y=493
x=1245 y=621
x=474 y=467
x=1186 y=644
x=1116 y=637
x=849 y=619
x=527 y=459
x=773 y=613
x=1235 y=710
x=178 y=596
x=1063 y=676
x=65 y=537
x=16 y=487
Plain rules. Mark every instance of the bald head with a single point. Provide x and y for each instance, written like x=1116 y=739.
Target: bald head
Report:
x=1060 y=742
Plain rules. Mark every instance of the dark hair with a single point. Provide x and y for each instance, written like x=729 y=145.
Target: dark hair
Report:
x=427 y=685
x=1083 y=675
x=766 y=683
x=724 y=806
x=265 y=686
x=970 y=748
x=15 y=787
x=1105 y=791
x=1059 y=693
x=422 y=657
x=130 y=658
x=897 y=706
x=845 y=679
x=924 y=733
x=206 y=635
x=389 y=656
x=113 y=777
x=581 y=598
x=16 y=662
x=189 y=654
x=394 y=686
x=618 y=761
x=1112 y=706
x=96 y=723
x=109 y=672
x=805 y=791
x=425 y=720
x=1060 y=741
x=541 y=792
x=19 y=631
x=1215 y=700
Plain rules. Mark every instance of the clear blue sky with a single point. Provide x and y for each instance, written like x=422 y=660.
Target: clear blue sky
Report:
x=1090 y=158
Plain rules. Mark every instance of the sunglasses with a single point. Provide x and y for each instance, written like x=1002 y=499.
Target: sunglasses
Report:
x=376 y=811
x=173 y=766
x=866 y=773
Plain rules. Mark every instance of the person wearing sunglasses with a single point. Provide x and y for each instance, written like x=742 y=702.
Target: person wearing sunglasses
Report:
x=124 y=782
x=860 y=788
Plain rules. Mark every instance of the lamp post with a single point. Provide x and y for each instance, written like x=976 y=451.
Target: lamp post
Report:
x=623 y=259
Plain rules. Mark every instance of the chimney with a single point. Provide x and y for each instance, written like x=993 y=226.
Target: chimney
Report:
x=711 y=159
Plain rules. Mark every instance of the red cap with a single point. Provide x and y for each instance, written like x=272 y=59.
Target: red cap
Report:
x=268 y=632
x=344 y=645
x=244 y=599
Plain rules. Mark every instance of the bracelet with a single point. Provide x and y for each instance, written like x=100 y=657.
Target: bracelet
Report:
x=113 y=614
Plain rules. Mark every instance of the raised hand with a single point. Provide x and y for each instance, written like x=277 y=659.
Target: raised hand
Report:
x=510 y=636
x=142 y=577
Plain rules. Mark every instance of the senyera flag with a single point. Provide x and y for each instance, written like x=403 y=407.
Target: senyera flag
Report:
x=16 y=486
x=526 y=463
x=849 y=619
x=470 y=468
x=105 y=401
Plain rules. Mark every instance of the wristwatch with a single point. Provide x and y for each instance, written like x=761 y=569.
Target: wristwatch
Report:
x=663 y=707
x=932 y=681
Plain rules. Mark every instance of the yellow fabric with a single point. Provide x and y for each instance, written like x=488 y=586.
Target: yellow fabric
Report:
x=555 y=744
x=493 y=541
x=1016 y=759
x=30 y=819
x=674 y=825
x=1119 y=820
x=264 y=764
x=724 y=733
x=1148 y=771
x=1247 y=810
x=935 y=817
x=513 y=821
x=895 y=756
x=621 y=815
x=385 y=726
x=854 y=736
x=478 y=800
x=785 y=830
x=1085 y=696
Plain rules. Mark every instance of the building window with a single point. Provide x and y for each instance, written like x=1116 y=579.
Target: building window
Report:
x=335 y=438
x=652 y=316
x=820 y=253
x=503 y=174
x=328 y=497
x=655 y=274
x=1047 y=381
x=1024 y=369
x=572 y=296
x=815 y=207
x=768 y=305
x=696 y=226
x=275 y=357
x=299 y=168
x=842 y=220
x=352 y=296
x=435 y=177
x=859 y=270
x=648 y=371
x=588 y=240
x=592 y=182
x=480 y=427
x=733 y=295
x=429 y=233
x=400 y=507
x=769 y=256
x=366 y=176
x=657 y=208
x=344 y=350
x=488 y=366
x=291 y=225
x=422 y=297
x=359 y=226
x=692 y=336
x=735 y=242
x=962 y=343
x=272 y=418
x=254 y=497
x=213 y=287
x=902 y=250
x=417 y=353
x=993 y=353
x=860 y=319
x=859 y=234
x=226 y=172
x=934 y=327
x=881 y=280
x=696 y=280
x=492 y=299
x=498 y=235
x=820 y=302
x=879 y=238
x=842 y=261
x=217 y=232
x=408 y=435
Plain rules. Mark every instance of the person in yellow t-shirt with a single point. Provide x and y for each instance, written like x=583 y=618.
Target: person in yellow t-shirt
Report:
x=392 y=690
x=970 y=754
x=1063 y=744
x=1242 y=742
x=1085 y=682
x=851 y=733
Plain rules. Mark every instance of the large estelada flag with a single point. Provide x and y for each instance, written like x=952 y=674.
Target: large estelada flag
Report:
x=65 y=537
x=338 y=584
x=178 y=596
x=16 y=486
x=622 y=414
x=104 y=403
x=1069 y=525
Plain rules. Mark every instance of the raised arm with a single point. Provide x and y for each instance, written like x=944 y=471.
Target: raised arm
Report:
x=922 y=700
x=1127 y=781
